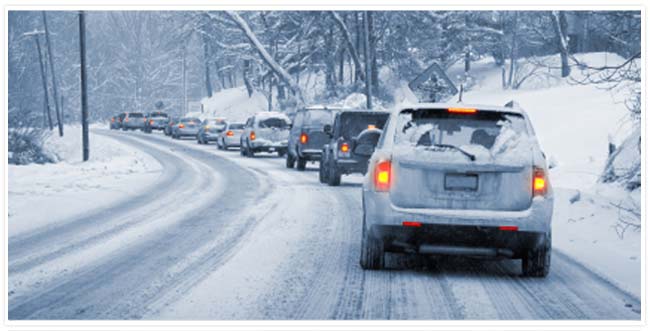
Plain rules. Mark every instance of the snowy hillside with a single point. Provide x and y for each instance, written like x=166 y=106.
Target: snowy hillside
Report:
x=234 y=104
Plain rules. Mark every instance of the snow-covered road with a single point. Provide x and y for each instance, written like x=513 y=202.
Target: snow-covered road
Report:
x=226 y=237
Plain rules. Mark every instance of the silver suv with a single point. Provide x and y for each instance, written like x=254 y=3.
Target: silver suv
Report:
x=265 y=132
x=458 y=180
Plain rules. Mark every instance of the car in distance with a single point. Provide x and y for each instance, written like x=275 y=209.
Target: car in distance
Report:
x=115 y=123
x=450 y=179
x=265 y=132
x=133 y=121
x=156 y=121
x=210 y=129
x=350 y=127
x=170 y=125
x=229 y=137
x=306 y=138
x=186 y=127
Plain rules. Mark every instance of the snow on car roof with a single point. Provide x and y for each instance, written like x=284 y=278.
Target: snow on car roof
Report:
x=516 y=109
x=270 y=114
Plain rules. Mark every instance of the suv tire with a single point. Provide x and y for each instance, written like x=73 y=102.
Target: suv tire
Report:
x=290 y=161
x=537 y=261
x=301 y=163
x=333 y=176
x=372 y=250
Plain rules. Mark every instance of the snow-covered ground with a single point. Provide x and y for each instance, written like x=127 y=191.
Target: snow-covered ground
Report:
x=574 y=124
x=234 y=104
x=71 y=187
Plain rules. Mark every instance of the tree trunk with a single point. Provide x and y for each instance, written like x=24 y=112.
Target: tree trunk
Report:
x=373 y=53
x=48 y=41
x=366 y=42
x=513 y=49
x=44 y=79
x=206 y=62
x=560 y=26
x=266 y=57
x=348 y=39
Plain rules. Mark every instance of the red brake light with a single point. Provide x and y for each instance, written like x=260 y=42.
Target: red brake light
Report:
x=150 y=121
x=383 y=176
x=126 y=119
x=539 y=181
x=509 y=228
x=345 y=147
x=113 y=120
x=230 y=133
x=180 y=126
x=145 y=120
x=413 y=224
x=304 y=138
x=252 y=135
x=371 y=126
x=462 y=110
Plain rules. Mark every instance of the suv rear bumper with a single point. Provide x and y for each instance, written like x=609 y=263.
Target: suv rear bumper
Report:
x=349 y=166
x=310 y=154
x=381 y=211
x=465 y=240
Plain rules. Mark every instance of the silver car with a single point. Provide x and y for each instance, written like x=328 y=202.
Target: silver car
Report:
x=229 y=137
x=186 y=127
x=458 y=180
x=265 y=132
x=133 y=121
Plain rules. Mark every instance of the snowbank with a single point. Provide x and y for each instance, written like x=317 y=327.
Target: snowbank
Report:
x=234 y=104
x=70 y=187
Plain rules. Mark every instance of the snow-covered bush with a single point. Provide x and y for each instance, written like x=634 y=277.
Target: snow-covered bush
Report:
x=26 y=146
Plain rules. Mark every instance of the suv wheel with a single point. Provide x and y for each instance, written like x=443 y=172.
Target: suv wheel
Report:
x=537 y=261
x=249 y=151
x=372 y=250
x=322 y=169
x=333 y=175
x=301 y=163
x=290 y=161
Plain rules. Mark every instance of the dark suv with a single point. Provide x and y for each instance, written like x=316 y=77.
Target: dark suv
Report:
x=307 y=137
x=155 y=121
x=339 y=155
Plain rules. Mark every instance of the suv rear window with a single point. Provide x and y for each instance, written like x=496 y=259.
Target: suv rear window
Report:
x=190 y=119
x=318 y=118
x=274 y=122
x=429 y=127
x=136 y=115
x=236 y=126
x=352 y=124
x=158 y=115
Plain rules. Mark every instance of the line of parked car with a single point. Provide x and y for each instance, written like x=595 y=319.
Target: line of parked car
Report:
x=444 y=179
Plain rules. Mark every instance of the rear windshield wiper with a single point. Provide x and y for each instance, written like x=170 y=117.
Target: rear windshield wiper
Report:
x=469 y=155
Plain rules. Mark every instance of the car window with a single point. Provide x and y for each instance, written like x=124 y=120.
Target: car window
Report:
x=158 y=114
x=318 y=118
x=351 y=124
x=236 y=126
x=190 y=120
x=274 y=122
x=428 y=127
x=136 y=115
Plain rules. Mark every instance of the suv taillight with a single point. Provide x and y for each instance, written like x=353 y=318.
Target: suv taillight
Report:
x=230 y=133
x=304 y=138
x=180 y=126
x=252 y=135
x=150 y=122
x=383 y=176
x=344 y=147
x=540 y=184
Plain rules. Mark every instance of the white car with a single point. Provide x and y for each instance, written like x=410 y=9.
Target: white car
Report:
x=450 y=179
x=265 y=132
x=229 y=137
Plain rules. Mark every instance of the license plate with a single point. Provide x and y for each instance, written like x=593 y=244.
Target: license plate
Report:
x=272 y=149
x=461 y=182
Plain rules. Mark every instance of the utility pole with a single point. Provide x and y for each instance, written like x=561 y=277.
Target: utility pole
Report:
x=51 y=57
x=35 y=34
x=84 y=87
x=184 y=85
x=366 y=46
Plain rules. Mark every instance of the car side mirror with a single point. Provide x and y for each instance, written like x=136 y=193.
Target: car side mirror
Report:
x=365 y=142
x=327 y=128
